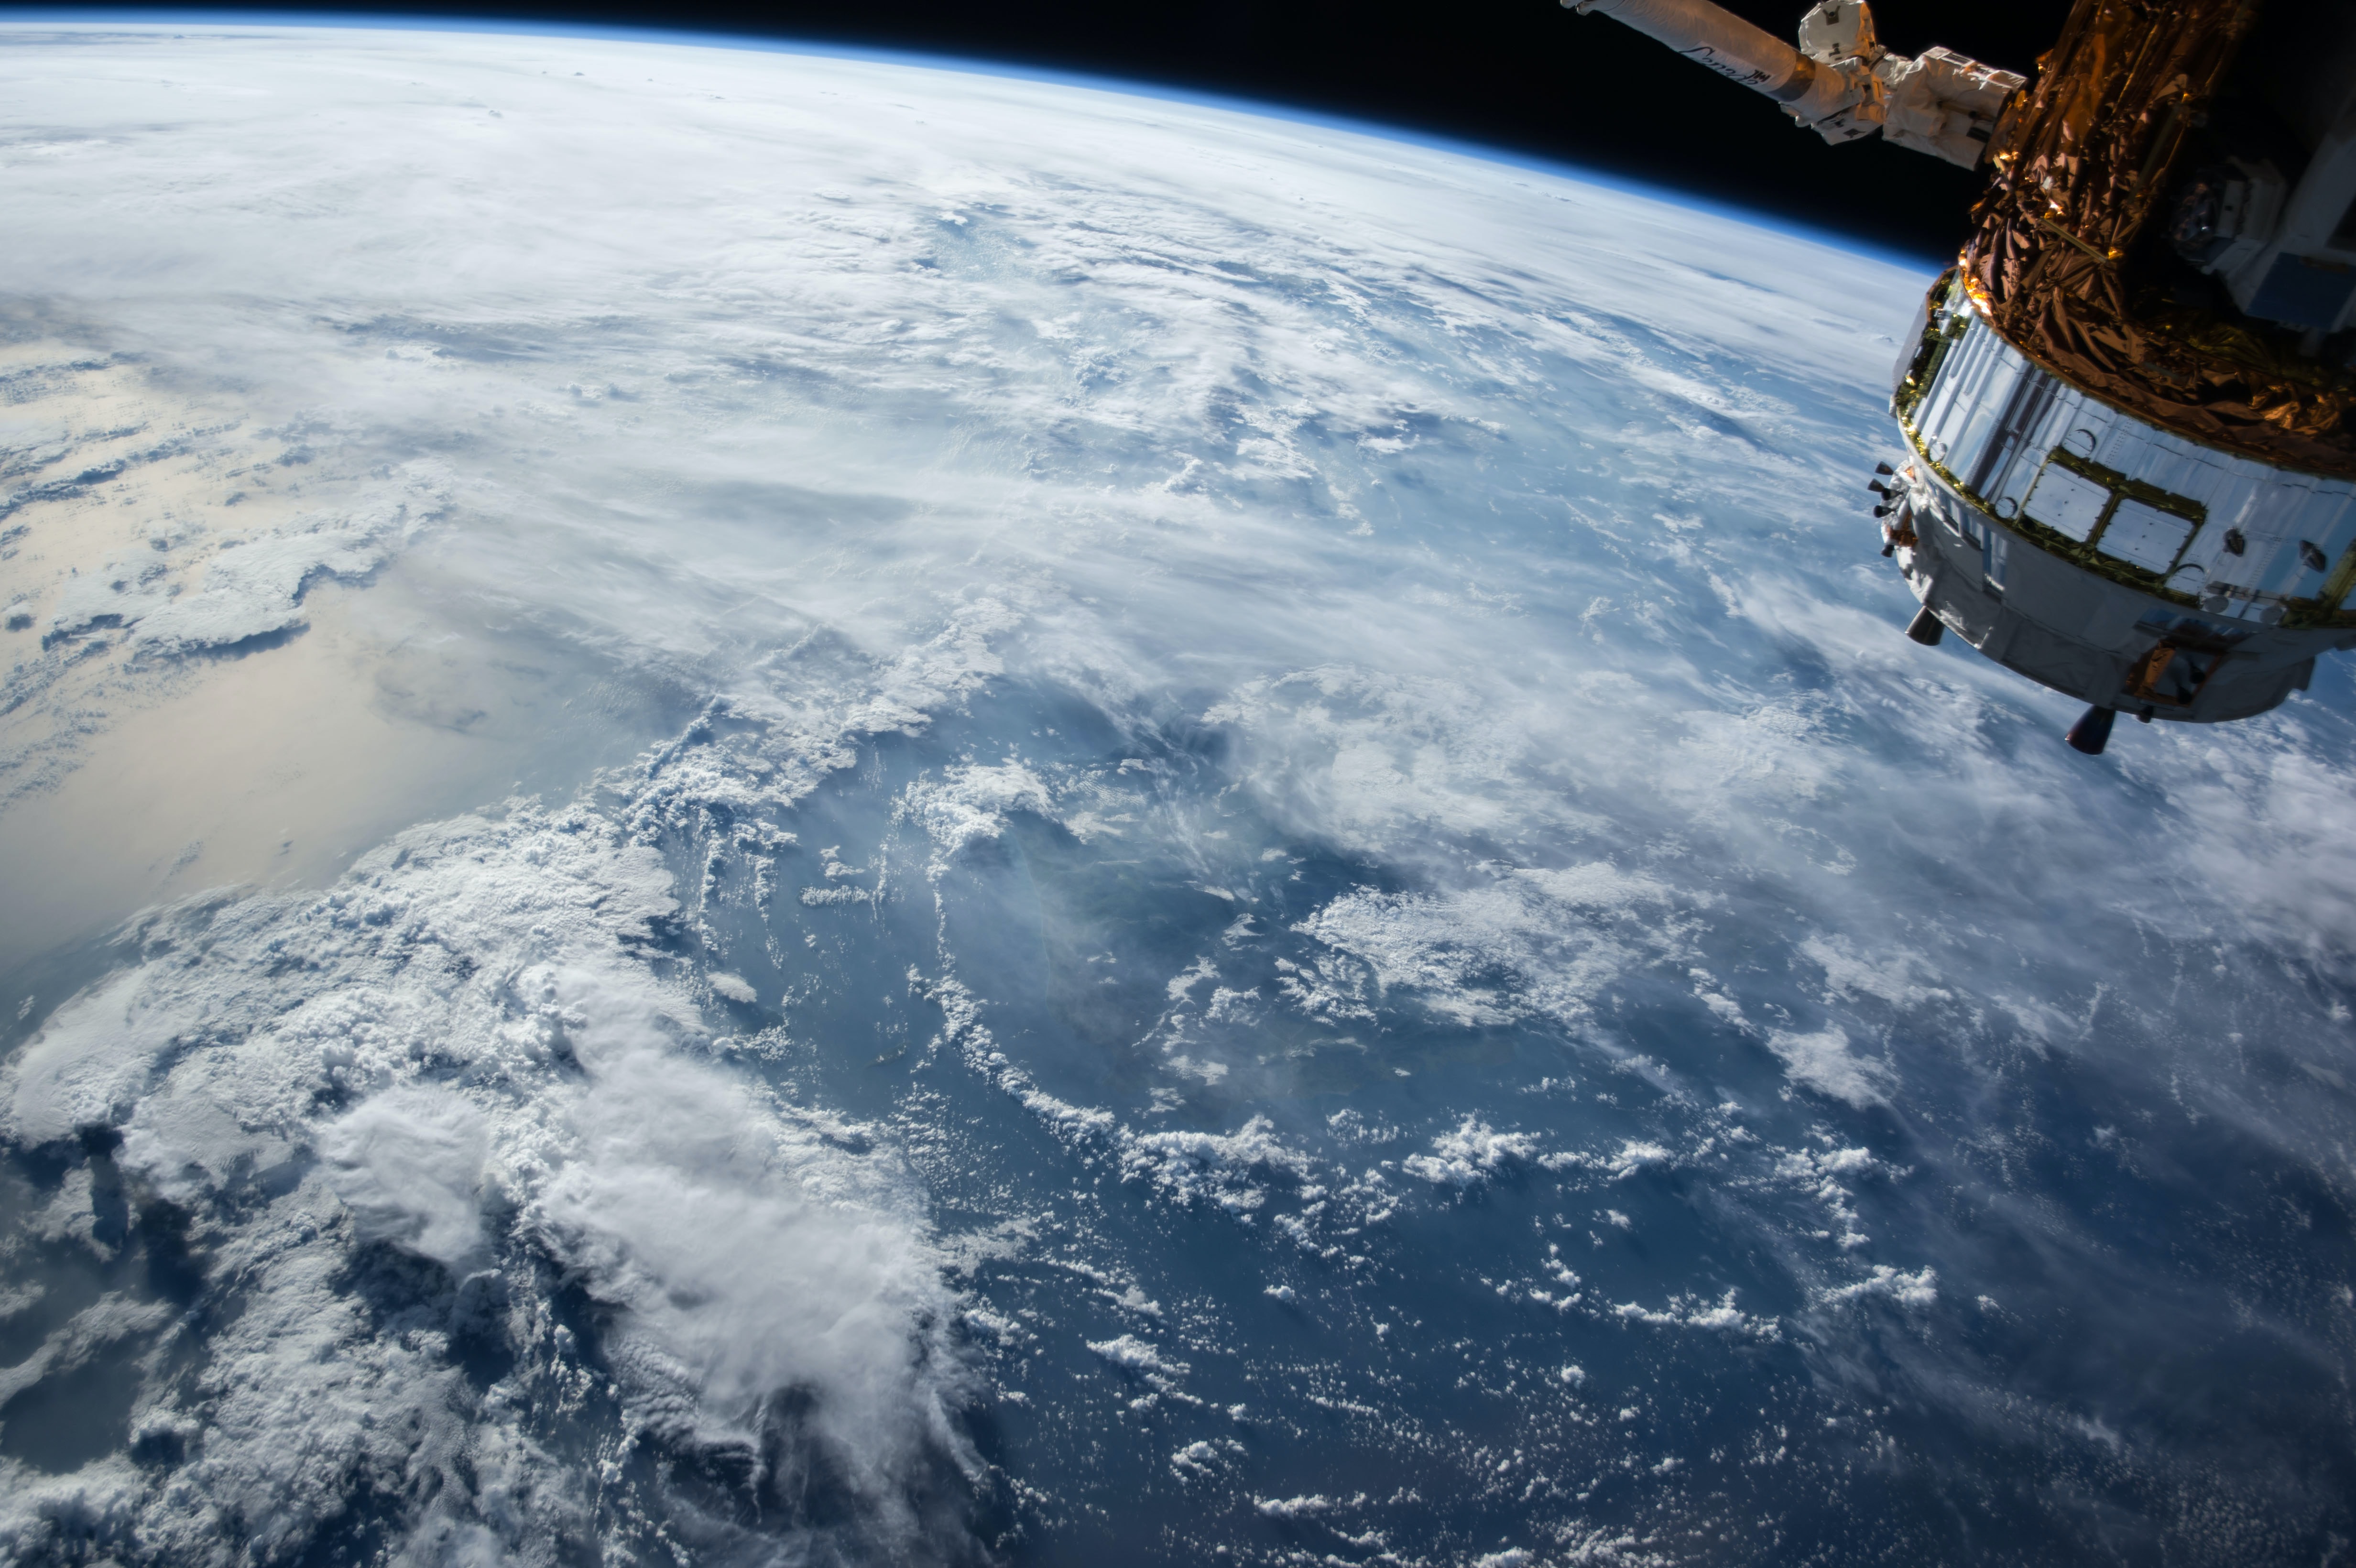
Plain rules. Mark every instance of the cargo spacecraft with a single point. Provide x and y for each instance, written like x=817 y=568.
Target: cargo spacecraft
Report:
x=2129 y=457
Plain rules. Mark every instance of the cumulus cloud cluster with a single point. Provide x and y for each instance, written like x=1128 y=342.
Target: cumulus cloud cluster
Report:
x=473 y=1060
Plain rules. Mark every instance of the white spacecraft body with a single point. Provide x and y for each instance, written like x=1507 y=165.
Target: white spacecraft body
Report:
x=2100 y=553
x=2015 y=473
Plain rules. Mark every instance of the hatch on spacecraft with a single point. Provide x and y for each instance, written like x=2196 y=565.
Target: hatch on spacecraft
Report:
x=2130 y=471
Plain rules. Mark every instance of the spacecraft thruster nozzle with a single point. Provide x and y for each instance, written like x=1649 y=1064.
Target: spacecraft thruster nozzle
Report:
x=1839 y=81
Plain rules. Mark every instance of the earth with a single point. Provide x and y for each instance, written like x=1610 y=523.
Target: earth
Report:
x=763 y=808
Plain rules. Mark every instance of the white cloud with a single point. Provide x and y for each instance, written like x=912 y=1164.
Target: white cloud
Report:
x=1306 y=1505
x=409 y=1164
x=1689 y=1311
x=1824 y=1062
x=1919 y=1288
x=525 y=1109
x=1468 y=1155
x=1514 y=944
x=735 y=987
x=970 y=806
x=1219 y=1168
x=1142 y=1358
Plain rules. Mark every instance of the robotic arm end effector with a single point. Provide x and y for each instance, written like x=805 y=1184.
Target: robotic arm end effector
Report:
x=1943 y=103
x=1839 y=81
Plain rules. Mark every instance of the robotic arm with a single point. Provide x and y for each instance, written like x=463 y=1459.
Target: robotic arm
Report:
x=1839 y=81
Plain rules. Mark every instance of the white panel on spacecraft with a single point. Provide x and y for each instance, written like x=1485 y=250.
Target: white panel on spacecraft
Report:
x=2098 y=554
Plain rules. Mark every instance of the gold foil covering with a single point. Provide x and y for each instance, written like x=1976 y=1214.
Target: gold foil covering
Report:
x=2080 y=159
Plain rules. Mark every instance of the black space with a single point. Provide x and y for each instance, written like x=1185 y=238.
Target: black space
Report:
x=1521 y=75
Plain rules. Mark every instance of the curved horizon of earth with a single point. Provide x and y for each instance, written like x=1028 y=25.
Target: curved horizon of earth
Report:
x=774 y=808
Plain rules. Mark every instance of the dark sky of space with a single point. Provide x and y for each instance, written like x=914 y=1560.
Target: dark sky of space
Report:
x=1523 y=75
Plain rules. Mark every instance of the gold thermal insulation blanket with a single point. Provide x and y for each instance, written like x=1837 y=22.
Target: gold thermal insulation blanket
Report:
x=2082 y=160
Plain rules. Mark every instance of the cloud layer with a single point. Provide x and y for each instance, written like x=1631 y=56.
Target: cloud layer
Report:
x=1208 y=787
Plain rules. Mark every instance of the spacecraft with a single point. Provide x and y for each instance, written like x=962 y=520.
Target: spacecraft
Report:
x=2130 y=455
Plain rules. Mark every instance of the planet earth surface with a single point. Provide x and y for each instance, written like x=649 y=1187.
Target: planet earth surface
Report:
x=760 y=807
